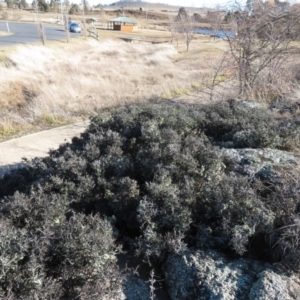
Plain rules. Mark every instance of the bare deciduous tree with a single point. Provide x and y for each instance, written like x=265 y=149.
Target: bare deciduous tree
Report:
x=214 y=81
x=215 y=18
x=174 y=28
x=186 y=26
x=102 y=16
x=263 y=41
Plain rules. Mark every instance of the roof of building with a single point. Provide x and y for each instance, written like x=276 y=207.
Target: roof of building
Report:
x=124 y=19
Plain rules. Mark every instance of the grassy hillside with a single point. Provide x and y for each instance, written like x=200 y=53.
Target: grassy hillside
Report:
x=50 y=86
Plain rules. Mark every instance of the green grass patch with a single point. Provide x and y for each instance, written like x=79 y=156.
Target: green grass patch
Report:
x=175 y=93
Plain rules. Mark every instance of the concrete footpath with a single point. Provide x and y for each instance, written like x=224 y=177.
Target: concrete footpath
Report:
x=36 y=145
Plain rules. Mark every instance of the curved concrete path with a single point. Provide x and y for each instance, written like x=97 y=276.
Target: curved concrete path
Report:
x=36 y=145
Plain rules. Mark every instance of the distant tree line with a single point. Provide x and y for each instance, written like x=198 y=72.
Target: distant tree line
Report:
x=15 y=3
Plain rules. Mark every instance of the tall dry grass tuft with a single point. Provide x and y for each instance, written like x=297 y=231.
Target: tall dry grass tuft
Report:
x=81 y=78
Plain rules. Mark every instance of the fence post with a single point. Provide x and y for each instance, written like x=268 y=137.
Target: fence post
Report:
x=42 y=33
x=66 y=28
x=93 y=33
x=83 y=18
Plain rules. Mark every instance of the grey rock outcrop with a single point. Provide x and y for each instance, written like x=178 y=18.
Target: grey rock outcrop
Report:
x=251 y=162
x=211 y=276
x=246 y=104
x=272 y=286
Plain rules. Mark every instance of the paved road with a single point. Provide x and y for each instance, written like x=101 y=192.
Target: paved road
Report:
x=36 y=145
x=27 y=33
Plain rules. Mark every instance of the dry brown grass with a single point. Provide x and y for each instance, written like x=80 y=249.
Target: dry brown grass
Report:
x=49 y=86
x=41 y=85
x=52 y=85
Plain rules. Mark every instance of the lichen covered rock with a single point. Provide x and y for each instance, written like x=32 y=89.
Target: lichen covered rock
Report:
x=272 y=286
x=249 y=162
x=211 y=276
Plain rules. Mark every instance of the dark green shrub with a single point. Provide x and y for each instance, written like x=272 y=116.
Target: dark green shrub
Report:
x=74 y=9
x=239 y=126
x=43 y=5
x=33 y=211
x=197 y=18
x=82 y=253
x=289 y=134
x=151 y=177
x=283 y=199
x=13 y=248
x=232 y=212
x=10 y=3
x=22 y=4
x=59 y=260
